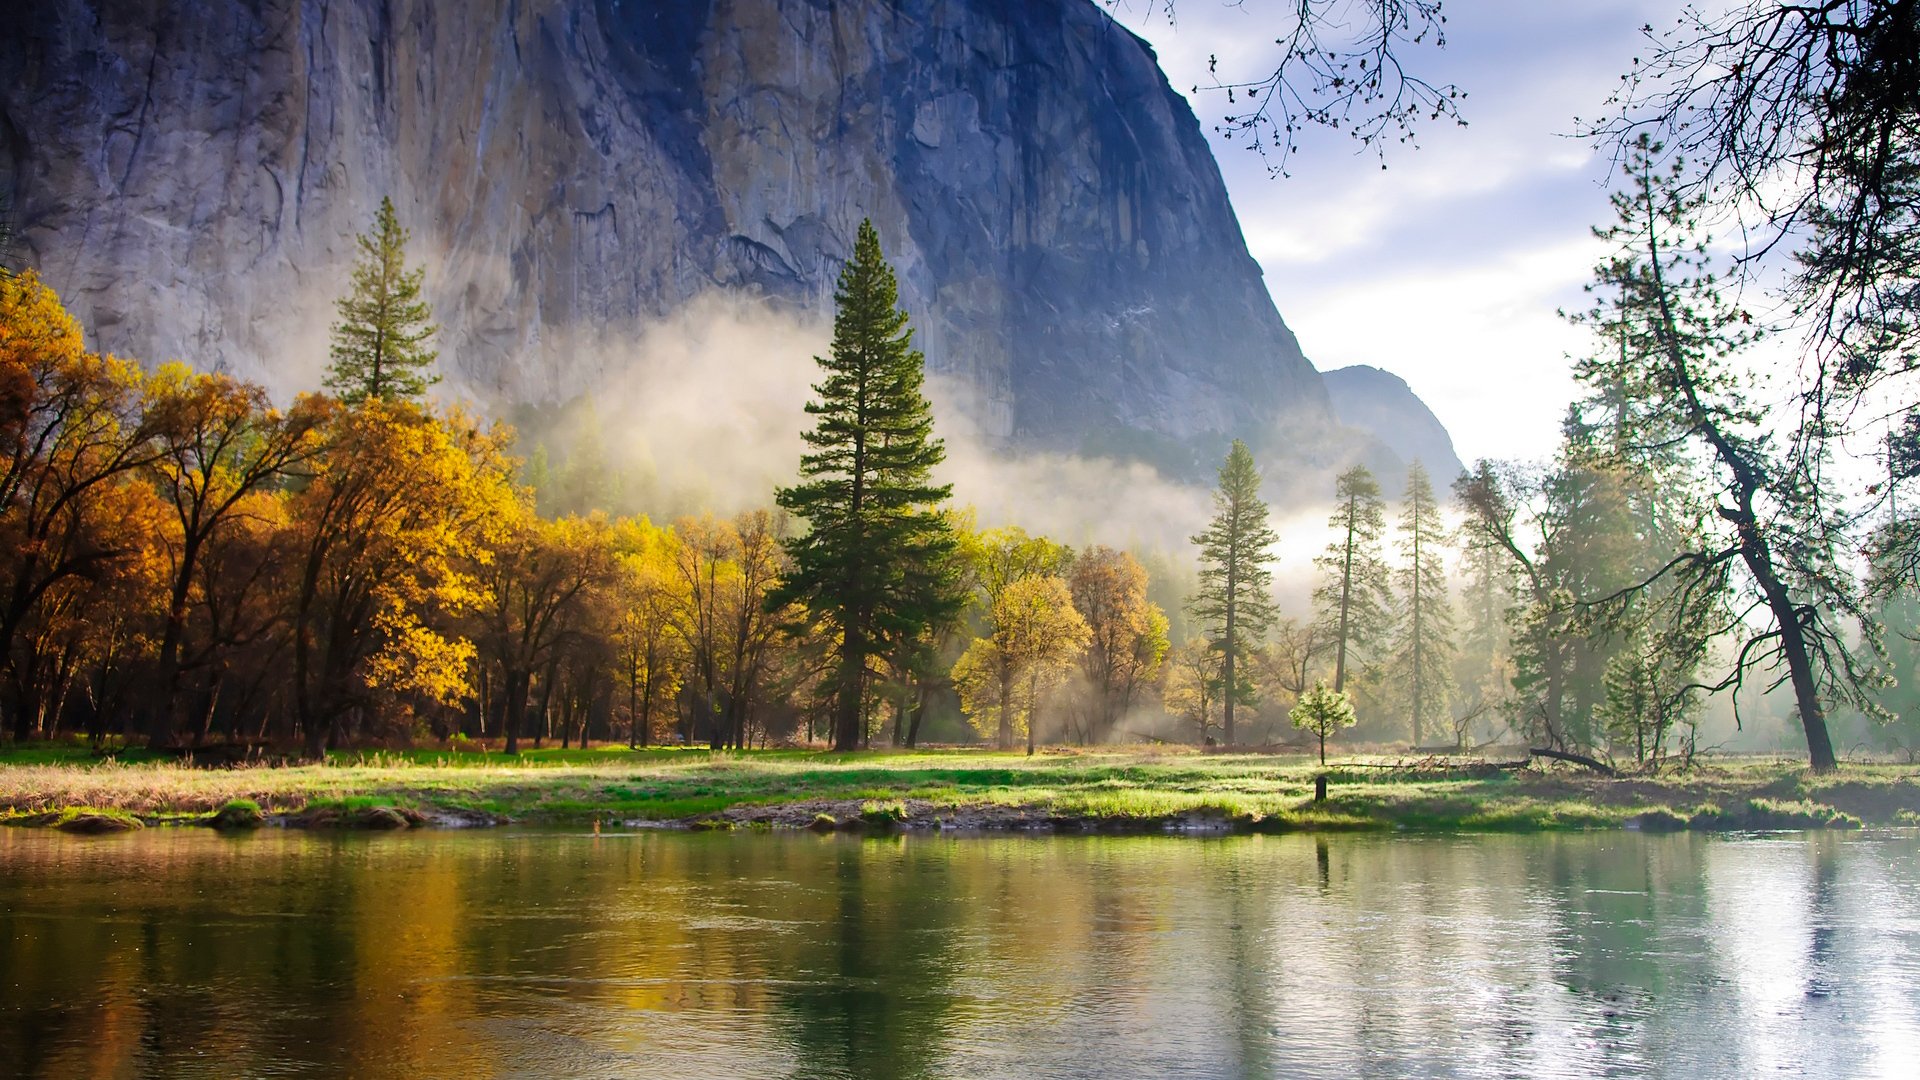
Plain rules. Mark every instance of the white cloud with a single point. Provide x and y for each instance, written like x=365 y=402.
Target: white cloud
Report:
x=1446 y=267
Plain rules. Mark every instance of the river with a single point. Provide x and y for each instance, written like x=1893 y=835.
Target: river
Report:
x=529 y=953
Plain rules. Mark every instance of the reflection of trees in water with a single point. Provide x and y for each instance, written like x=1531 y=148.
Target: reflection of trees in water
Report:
x=1822 y=915
x=868 y=987
x=931 y=956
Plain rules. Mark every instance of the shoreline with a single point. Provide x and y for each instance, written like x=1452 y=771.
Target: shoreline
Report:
x=1120 y=791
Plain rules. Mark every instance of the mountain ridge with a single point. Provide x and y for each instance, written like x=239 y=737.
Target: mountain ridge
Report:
x=191 y=176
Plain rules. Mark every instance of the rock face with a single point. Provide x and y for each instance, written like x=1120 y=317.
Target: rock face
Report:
x=191 y=174
x=1382 y=404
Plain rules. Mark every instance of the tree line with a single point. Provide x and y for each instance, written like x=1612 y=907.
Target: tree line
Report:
x=184 y=561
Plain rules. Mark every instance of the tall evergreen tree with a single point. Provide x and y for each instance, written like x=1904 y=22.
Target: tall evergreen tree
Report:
x=876 y=565
x=1235 y=602
x=380 y=349
x=1424 y=646
x=1353 y=593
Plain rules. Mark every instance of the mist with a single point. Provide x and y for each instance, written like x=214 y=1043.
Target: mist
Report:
x=704 y=409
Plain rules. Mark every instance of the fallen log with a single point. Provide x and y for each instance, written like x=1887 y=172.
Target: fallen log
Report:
x=1600 y=767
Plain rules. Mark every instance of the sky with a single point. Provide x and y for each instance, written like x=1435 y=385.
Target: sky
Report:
x=1448 y=266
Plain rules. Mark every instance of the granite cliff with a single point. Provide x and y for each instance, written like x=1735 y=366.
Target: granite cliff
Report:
x=1381 y=403
x=191 y=176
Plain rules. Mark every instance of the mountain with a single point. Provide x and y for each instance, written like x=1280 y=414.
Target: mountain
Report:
x=191 y=175
x=1382 y=404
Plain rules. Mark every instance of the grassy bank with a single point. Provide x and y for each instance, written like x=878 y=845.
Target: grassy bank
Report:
x=1119 y=789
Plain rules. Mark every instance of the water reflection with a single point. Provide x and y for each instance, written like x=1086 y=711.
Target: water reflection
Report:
x=539 y=954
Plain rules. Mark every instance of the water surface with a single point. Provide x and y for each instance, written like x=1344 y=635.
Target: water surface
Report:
x=511 y=953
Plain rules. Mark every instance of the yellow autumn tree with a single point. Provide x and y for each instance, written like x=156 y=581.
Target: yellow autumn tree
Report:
x=217 y=441
x=71 y=430
x=540 y=581
x=1004 y=677
x=1127 y=636
x=650 y=656
x=388 y=533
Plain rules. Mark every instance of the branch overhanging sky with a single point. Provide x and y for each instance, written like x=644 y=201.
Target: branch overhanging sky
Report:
x=1447 y=267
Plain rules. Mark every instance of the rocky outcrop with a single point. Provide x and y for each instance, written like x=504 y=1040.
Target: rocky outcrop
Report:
x=191 y=175
x=1383 y=405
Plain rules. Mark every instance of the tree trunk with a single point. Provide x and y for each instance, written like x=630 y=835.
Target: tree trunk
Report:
x=1346 y=600
x=1005 y=741
x=846 y=713
x=1227 y=667
x=160 y=718
x=514 y=694
x=646 y=711
x=919 y=713
x=1793 y=643
x=543 y=730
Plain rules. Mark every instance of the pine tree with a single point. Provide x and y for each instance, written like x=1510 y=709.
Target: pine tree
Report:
x=1423 y=652
x=877 y=564
x=1235 y=601
x=1353 y=593
x=1677 y=367
x=380 y=343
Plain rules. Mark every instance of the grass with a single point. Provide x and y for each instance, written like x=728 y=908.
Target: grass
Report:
x=1120 y=788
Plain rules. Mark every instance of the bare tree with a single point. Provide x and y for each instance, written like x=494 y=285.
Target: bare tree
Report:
x=1338 y=65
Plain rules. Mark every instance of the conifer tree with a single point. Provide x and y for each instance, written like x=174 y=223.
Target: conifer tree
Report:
x=1802 y=616
x=876 y=565
x=1235 y=601
x=380 y=349
x=1423 y=646
x=1353 y=592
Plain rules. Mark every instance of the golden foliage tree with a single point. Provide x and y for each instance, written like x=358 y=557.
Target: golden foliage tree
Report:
x=1127 y=639
x=387 y=534
x=1036 y=636
x=218 y=441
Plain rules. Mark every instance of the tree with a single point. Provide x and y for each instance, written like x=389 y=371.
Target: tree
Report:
x=71 y=431
x=386 y=536
x=1557 y=530
x=1353 y=593
x=1235 y=601
x=1289 y=662
x=650 y=655
x=1897 y=606
x=875 y=565
x=1680 y=339
x=1036 y=636
x=1324 y=712
x=1192 y=690
x=380 y=349
x=539 y=576
x=752 y=625
x=1128 y=634
x=1801 y=122
x=1423 y=648
x=219 y=441
x=1650 y=684
x=1340 y=66
x=1481 y=667
x=1804 y=119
